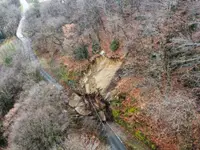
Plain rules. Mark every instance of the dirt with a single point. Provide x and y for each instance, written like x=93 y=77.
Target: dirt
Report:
x=100 y=74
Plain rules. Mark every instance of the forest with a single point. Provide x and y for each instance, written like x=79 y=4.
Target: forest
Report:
x=76 y=74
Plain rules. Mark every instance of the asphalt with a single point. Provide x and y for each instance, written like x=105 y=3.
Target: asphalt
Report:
x=28 y=50
x=113 y=140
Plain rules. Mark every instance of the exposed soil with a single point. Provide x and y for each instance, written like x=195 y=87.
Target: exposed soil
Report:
x=100 y=74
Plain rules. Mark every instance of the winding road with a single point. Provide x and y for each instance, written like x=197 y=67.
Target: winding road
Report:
x=113 y=140
x=27 y=46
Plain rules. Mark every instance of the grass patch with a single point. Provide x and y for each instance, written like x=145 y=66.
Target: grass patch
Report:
x=114 y=45
x=131 y=129
x=138 y=134
x=122 y=110
x=131 y=146
x=66 y=76
x=116 y=113
x=130 y=111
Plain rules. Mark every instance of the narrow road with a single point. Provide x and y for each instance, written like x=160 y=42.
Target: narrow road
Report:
x=113 y=140
x=27 y=46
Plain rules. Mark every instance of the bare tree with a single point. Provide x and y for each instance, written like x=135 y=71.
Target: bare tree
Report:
x=13 y=76
x=43 y=121
x=176 y=111
x=10 y=16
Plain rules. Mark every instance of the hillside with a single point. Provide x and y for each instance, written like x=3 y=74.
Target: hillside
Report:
x=134 y=64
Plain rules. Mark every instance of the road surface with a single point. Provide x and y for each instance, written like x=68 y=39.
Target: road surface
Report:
x=27 y=46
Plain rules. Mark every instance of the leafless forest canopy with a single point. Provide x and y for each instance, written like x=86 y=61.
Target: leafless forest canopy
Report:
x=161 y=40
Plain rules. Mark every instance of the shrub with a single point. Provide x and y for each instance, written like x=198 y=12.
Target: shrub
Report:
x=95 y=47
x=66 y=76
x=114 y=45
x=81 y=53
x=6 y=101
x=116 y=113
x=3 y=141
x=193 y=27
x=8 y=60
x=130 y=111
x=62 y=74
x=2 y=35
x=143 y=138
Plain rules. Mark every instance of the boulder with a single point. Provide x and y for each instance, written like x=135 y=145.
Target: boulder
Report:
x=81 y=109
x=102 y=115
x=75 y=100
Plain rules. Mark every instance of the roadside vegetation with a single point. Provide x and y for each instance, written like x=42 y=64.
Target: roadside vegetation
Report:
x=41 y=119
x=16 y=75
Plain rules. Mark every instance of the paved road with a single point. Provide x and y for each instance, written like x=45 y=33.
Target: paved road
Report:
x=27 y=46
x=113 y=140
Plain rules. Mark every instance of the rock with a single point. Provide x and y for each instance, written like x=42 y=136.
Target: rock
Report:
x=102 y=115
x=102 y=53
x=82 y=110
x=108 y=96
x=87 y=88
x=75 y=100
x=81 y=104
x=85 y=80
